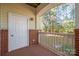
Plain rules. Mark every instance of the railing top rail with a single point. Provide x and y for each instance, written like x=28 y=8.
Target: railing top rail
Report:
x=56 y=33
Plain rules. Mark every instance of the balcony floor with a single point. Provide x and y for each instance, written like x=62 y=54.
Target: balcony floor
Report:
x=35 y=50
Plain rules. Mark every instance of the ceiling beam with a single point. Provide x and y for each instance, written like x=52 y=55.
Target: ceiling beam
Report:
x=33 y=4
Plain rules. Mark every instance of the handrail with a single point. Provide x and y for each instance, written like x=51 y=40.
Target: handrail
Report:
x=61 y=42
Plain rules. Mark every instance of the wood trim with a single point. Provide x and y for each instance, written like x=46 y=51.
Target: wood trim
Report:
x=54 y=33
x=4 y=41
x=33 y=37
x=77 y=42
x=0 y=42
x=33 y=34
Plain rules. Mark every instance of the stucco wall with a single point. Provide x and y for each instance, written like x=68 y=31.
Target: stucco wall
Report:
x=22 y=9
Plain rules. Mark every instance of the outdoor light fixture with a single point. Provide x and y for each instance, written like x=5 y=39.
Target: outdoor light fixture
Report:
x=31 y=19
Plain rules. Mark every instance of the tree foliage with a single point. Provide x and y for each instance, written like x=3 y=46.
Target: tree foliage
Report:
x=59 y=19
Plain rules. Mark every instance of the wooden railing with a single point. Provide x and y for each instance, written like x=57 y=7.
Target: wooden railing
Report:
x=60 y=43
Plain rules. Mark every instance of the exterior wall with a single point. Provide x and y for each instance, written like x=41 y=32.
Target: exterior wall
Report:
x=22 y=9
x=17 y=8
x=77 y=28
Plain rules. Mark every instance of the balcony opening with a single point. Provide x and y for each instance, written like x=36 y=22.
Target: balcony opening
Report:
x=57 y=29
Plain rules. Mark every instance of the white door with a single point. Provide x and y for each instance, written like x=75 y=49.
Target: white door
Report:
x=18 y=31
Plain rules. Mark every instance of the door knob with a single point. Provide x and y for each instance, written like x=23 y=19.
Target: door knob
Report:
x=12 y=35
